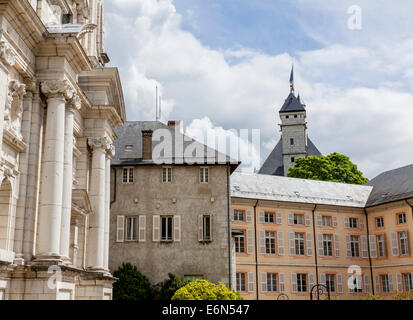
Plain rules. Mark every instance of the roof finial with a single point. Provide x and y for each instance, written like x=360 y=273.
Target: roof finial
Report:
x=292 y=79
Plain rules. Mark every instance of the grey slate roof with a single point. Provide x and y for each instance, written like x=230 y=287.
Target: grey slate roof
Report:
x=274 y=163
x=130 y=134
x=292 y=104
x=391 y=186
x=268 y=187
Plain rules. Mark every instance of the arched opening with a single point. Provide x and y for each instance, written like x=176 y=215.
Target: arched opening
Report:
x=5 y=215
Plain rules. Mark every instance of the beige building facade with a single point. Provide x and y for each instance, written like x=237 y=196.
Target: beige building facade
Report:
x=58 y=107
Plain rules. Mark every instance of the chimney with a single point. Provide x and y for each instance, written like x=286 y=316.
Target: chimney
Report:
x=176 y=124
x=147 y=144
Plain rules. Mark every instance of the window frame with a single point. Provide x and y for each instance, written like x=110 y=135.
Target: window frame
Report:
x=401 y=214
x=328 y=218
x=325 y=248
x=130 y=175
x=381 y=244
x=351 y=221
x=297 y=243
x=406 y=242
x=385 y=285
x=303 y=283
x=328 y=282
x=238 y=239
x=302 y=217
x=204 y=229
x=268 y=214
x=204 y=175
x=169 y=237
x=240 y=280
x=134 y=225
x=410 y=286
x=270 y=242
x=352 y=245
x=382 y=222
x=167 y=174
x=237 y=213
x=272 y=282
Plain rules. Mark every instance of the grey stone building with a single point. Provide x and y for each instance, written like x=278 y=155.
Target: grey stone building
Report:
x=170 y=204
x=294 y=142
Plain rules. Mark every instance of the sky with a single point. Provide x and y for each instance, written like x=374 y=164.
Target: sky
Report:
x=225 y=66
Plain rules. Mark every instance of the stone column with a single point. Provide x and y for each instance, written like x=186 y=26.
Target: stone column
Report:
x=110 y=152
x=96 y=239
x=50 y=211
x=75 y=103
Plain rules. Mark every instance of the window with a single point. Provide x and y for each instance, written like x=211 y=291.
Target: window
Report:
x=292 y=159
x=355 y=246
x=239 y=215
x=295 y=116
x=407 y=280
x=330 y=282
x=292 y=141
x=326 y=221
x=240 y=279
x=299 y=244
x=380 y=222
x=287 y=117
x=127 y=175
x=404 y=246
x=269 y=217
x=131 y=225
x=328 y=245
x=269 y=242
x=240 y=242
x=204 y=175
x=357 y=284
x=271 y=282
x=299 y=219
x=301 y=282
x=381 y=244
x=385 y=285
x=166 y=228
x=352 y=222
x=206 y=228
x=167 y=175
x=401 y=218
x=128 y=147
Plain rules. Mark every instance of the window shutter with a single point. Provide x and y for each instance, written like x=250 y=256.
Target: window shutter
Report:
x=279 y=218
x=249 y=216
x=251 y=283
x=339 y=283
x=366 y=283
x=348 y=247
x=232 y=214
x=120 y=229
x=391 y=284
x=262 y=242
x=310 y=281
x=318 y=220
x=361 y=223
x=364 y=247
x=309 y=244
x=323 y=278
x=291 y=243
x=177 y=228
x=320 y=245
x=263 y=281
x=201 y=227
x=335 y=223
x=250 y=241
x=377 y=284
x=261 y=216
x=346 y=222
x=282 y=282
x=211 y=227
x=307 y=220
x=373 y=246
x=337 y=244
x=399 y=282
x=155 y=228
x=142 y=228
x=394 y=244
x=290 y=219
x=293 y=282
x=280 y=240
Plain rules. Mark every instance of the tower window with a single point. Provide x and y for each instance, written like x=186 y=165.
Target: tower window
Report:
x=292 y=141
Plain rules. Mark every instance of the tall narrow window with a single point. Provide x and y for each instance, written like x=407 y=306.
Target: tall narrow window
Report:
x=328 y=245
x=166 y=174
x=292 y=141
x=299 y=244
x=381 y=245
x=206 y=228
x=301 y=282
x=326 y=221
x=385 y=285
x=330 y=282
x=272 y=282
x=166 y=229
x=401 y=218
x=131 y=225
x=204 y=175
x=127 y=175
x=408 y=281
x=380 y=222
x=404 y=246
x=269 y=242
x=355 y=246
x=240 y=281
x=240 y=243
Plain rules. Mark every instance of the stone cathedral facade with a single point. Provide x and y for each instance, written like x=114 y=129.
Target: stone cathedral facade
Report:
x=59 y=105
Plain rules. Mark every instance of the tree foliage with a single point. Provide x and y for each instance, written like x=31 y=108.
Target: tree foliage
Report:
x=166 y=289
x=205 y=290
x=132 y=284
x=334 y=167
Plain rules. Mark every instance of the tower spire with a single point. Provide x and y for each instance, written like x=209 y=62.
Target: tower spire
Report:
x=292 y=80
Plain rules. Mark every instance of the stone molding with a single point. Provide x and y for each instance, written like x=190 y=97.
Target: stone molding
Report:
x=7 y=54
x=99 y=143
x=60 y=89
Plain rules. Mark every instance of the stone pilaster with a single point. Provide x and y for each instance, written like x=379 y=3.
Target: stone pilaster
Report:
x=96 y=240
x=74 y=104
x=110 y=152
x=50 y=211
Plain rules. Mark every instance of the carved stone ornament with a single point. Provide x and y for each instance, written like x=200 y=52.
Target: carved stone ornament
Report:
x=75 y=102
x=99 y=143
x=7 y=54
x=57 y=89
x=13 y=111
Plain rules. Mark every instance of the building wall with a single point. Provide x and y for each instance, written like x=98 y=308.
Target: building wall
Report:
x=184 y=197
x=312 y=263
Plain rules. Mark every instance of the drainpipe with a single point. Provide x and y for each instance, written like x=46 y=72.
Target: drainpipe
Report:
x=368 y=246
x=114 y=187
x=315 y=246
x=410 y=205
x=229 y=226
x=256 y=247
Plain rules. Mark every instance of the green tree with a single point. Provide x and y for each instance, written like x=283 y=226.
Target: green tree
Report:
x=334 y=167
x=166 y=289
x=131 y=284
x=205 y=290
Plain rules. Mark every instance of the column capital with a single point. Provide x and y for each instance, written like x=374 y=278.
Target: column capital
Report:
x=7 y=54
x=99 y=143
x=110 y=151
x=75 y=103
x=57 y=89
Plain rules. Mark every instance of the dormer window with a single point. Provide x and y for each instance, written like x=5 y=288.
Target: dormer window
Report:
x=128 y=147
